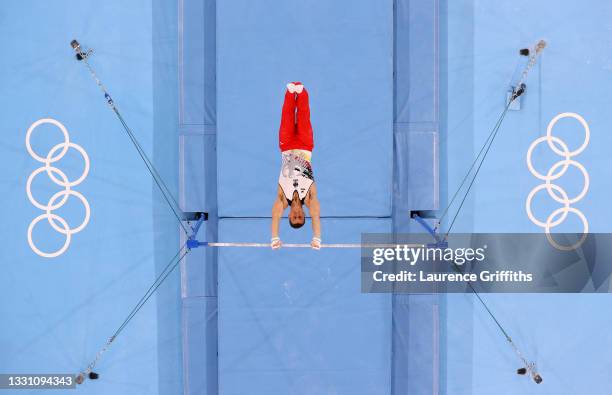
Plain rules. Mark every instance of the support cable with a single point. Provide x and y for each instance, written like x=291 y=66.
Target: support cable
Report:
x=83 y=56
x=490 y=140
x=168 y=269
x=533 y=53
x=517 y=91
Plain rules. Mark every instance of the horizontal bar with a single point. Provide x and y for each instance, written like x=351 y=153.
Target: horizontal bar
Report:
x=303 y=245
x=322 y=216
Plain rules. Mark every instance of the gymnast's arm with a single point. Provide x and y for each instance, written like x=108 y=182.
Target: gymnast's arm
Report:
x=315 y=211
x=280 y=203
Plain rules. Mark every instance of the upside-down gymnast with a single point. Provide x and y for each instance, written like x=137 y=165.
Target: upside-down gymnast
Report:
x=296 y=186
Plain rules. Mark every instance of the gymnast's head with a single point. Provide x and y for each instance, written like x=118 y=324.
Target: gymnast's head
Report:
x=296 y=212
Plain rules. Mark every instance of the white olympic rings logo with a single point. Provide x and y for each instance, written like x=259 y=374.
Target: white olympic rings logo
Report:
x=58 y=177
x=559 y=147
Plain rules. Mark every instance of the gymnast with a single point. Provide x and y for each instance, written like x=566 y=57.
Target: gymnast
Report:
x=296 y=186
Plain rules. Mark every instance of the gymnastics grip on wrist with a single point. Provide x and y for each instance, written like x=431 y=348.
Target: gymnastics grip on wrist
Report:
x=317 y=242
x=275 y=243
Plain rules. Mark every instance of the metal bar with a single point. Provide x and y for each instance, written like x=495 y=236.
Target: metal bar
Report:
x=304 y=245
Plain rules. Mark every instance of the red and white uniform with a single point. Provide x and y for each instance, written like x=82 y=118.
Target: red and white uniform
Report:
x=296 y=144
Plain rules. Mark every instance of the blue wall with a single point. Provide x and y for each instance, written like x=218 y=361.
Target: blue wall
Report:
x=59 y=312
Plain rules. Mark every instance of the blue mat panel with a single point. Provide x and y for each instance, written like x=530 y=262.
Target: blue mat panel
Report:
x=294 y=321
x=261 y=46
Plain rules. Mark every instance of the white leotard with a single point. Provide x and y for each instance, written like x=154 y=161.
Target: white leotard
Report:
x=296 y=173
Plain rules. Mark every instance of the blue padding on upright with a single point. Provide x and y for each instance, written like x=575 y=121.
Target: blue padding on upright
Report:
x=197 y=62
x=416 y=61
x=294 y=321
x=416 y=344
x=342 y=51
x=199 y=267
x=416 y=106
x=197 y=172
x=417 y=169
x=191 y=173
x=200 y=345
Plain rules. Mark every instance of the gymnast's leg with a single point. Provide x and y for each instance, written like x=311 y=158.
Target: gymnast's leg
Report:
x=304 y=127
x=287 y=132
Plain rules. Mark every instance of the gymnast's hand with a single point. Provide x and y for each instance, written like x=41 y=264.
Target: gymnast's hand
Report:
x=276 y=243
x=316 y=243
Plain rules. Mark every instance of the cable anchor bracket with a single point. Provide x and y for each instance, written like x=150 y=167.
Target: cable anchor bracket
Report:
x=80 y=53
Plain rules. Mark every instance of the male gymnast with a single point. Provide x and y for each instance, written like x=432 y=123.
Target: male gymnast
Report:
x=296 y=186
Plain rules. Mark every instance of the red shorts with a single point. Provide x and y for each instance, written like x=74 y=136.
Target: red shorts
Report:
x=295 y=129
